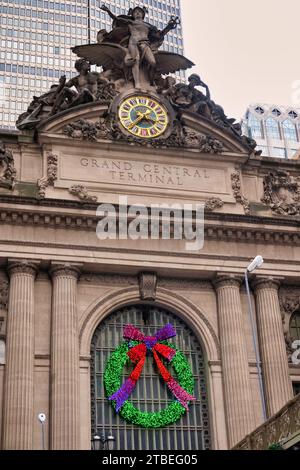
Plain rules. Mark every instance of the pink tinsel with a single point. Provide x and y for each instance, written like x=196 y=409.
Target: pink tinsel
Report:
x=182 y=396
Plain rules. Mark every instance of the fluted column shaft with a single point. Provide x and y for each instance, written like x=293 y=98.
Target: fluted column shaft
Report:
x=277 y=383
x=19 y=370
x=65 y=360
x=236 y=375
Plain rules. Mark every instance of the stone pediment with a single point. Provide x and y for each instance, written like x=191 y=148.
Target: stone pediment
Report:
x=92 y=122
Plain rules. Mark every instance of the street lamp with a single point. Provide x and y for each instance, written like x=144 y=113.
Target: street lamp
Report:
x=255 y=264
x=103 y=443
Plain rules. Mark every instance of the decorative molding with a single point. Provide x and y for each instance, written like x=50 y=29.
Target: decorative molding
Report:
x=213 y=204
x=22 y=267
x=230 y=280
x=82 y=193
x=174 y=283
x=289 y=300
x=7 y=168
x=147 y=285
x=4 y=288
x=265 y=283
x=109 y=279
x=43 y=183
x=282 y=193
x=107 y=129
x=65 y=270
x=88 y=130
x=237 y=191
x=266 y=232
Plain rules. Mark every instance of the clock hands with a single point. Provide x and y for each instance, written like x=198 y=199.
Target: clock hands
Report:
x=141 y=117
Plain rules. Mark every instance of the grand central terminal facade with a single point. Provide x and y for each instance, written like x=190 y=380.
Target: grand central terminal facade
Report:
x=80 y=313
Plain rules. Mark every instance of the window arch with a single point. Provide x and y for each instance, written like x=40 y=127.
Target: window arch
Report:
x=272 y=128
x=191 y=432
x=295 y=326
x=289 y=130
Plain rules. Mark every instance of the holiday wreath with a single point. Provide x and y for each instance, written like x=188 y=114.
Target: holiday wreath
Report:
x=135 y=350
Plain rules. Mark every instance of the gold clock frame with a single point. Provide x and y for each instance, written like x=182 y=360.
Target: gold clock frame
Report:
x=160 y=102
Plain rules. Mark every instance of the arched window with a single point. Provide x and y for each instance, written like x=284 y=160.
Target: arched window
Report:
x=272 y=128
x=151 y=394
x=295 y=326
x=289 y=130
x=255 y=127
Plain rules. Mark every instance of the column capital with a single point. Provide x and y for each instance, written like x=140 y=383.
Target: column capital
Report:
x=227 y=280
x=266 y=282
x=22 y=267
x=65 y=269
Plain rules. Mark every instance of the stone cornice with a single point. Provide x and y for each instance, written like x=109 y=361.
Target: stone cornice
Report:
x=226 y=227
x=22 y=267
x=67 y=205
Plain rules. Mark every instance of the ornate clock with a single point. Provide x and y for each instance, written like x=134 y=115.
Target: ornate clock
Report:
x=143 y=116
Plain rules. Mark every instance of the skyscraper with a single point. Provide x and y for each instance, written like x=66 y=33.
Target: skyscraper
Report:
x=36 y=37
x=276 y=129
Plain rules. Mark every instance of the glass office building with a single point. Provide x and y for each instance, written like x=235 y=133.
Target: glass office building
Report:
x=36 y=37
x=276 y=129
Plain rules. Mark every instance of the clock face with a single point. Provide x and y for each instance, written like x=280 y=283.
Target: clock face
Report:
x=144 y=117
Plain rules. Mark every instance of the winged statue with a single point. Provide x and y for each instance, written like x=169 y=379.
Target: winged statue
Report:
x=132 y=47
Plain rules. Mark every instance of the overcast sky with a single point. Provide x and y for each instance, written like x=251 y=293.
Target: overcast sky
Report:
x=245 y=50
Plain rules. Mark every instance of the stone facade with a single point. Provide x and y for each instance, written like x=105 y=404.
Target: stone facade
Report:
x=59 y=281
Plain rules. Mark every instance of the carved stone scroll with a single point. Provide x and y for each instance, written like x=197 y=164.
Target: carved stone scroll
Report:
x=82 y=193
x=51 y=177
x=237 y=191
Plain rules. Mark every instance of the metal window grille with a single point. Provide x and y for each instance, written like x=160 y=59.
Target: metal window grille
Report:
x=151 y=394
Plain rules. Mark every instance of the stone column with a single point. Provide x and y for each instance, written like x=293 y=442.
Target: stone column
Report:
x=19 y=372
x=277 y=383
x=65 y=360
x=236 y=375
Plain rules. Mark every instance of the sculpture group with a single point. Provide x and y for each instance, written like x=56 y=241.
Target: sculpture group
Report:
x=131 y=60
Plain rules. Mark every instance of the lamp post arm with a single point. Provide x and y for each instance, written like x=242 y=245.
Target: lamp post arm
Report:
x=256 y=347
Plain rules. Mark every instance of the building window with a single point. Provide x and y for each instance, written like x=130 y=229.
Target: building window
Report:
x=295 y=326
x=296 y=388
x=279 y=152
x=255 y=127
x=259 y=110
x=289 y=130
x=272 y=129
x=293 y=114
x=276 y=112
x=264 y=149
x=191 y=432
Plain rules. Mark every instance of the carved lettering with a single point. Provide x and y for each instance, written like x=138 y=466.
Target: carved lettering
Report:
x=154 y=174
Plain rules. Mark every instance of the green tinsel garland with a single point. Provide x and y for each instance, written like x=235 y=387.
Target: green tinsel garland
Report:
x=160 y=419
